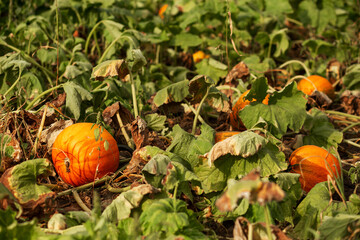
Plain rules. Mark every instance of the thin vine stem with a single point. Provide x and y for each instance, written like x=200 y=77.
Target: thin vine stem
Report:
x=298 y=62
x=228 y=87
x=198 y=111
x=267 y=220
x=14 y=84
x=31 y=104
x=332 y=112
x=133 y=91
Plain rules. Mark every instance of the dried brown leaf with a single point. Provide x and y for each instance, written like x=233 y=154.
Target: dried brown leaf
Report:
x=49 y=135
x=140 y=133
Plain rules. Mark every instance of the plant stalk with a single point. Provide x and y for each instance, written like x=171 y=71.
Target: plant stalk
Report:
x=267 y=220
x=31 y=104
x=122 y=127
x=133 y=91
x=198 y=111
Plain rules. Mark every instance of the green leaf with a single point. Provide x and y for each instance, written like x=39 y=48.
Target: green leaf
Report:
x=136 y=60
x=320 y=131
x=352 y=77
x=21 y=180
x=278 y=8
x=75 y=95
x=185 y=40
x=11 y=229
x=218 y=100
x=198 y=87
x=155 y=121
x=337 y=227
x=113 y=27
x=169 y=217
x=175 y=92
x=188 y=146
x=286 y=109
x=268 y=159
x=315 y=206
x=121 y=207
x=211 y=68
x=284 y=210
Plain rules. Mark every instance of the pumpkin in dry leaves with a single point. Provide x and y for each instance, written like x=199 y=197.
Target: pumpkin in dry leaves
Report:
x=314 y=164
x=84 y=152
x=240 y=104
x=314 y=82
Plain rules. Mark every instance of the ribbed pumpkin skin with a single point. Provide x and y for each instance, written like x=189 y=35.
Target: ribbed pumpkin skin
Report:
x=321 y=84
x=220 y=136
x=314 y=164
x=77 y=143
x=240 y=104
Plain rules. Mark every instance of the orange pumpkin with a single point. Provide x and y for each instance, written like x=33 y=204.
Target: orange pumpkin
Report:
x=315 y=82
x=314 y=164
x=162 y=10
x=240 y=104
x=220 y=136
x=199 y=55
x=79 y=158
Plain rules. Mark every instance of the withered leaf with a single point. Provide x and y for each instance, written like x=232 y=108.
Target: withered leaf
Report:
x=109 y=114
x=21 y=180
x=251 y=188
x=140 y=133
x=244 y=144
x=239 y=71
x=49 y=135
x=110 y=68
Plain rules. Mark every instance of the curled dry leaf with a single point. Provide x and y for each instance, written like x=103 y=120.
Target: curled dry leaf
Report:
x=251 y=188
x=239 y=71
x=110 y=68
x=109 y=115
x=244 y=144
x=49 y=135
x=140 y=132
x=350 y=101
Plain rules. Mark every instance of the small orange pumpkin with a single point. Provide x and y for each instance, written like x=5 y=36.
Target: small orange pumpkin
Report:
x=199 y=55
x=240 y=104
x=314 y=164
x=220 y=136
x=79 y=159
x=315 y=82
x=162 y=10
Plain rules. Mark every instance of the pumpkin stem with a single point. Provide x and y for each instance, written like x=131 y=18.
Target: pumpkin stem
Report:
x=67 y=164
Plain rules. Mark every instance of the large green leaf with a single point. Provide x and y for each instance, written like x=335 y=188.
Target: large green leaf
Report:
x=175 y=92
x=268 y=159
x=320 y=131
x=315 y=206
x=211 y=68
x=75 y=95
x=286 y=108
x=169 y=217
x=190 y=147
x=337 y=227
